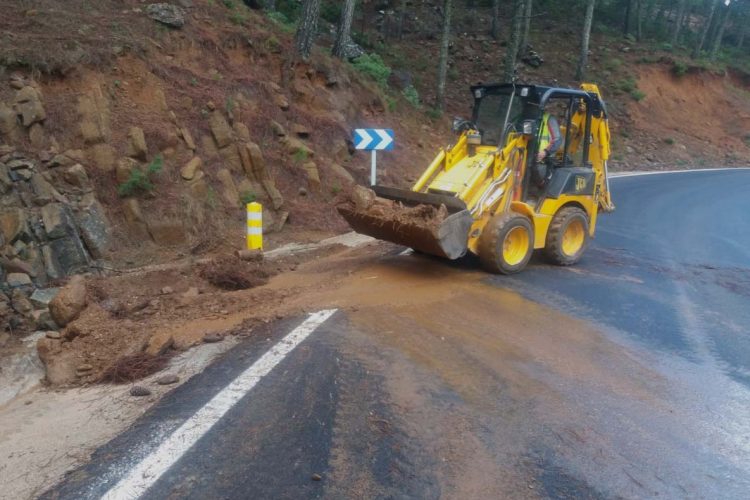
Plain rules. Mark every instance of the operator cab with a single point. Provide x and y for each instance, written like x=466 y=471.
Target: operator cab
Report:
x=501 y=111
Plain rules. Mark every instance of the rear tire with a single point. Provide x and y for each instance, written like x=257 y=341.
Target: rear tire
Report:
x=506 y=243
x=567 y=236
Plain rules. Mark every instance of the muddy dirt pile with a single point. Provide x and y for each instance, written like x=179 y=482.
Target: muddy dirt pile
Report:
x=129 y=325
x=362 y=204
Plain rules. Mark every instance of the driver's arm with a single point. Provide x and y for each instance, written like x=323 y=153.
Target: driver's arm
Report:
x=555 y=136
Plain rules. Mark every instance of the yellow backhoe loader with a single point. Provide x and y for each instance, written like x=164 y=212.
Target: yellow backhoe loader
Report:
x=489 y=195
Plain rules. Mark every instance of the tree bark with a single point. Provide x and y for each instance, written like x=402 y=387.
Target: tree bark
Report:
x=638 y=20
x=443 y=62
x=585 y=37
x=526 y=27
x=704 y=32
x=495 y=28
x=682 y=4
x=343 y=34
x=716 y=46
x=515 y=39
x=626 y=19
x=307 y=28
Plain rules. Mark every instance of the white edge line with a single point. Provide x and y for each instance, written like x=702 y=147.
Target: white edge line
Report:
x=615 y=175
x=152 y=467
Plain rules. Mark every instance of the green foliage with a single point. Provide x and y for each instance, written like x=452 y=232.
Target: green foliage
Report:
x=613 y=64
x=247 y=197
x=273 y=44
x=229 y=4
x=679 y=68
x=637 y=94
x=627 y=85
x=229 y=105
x=411 y=95
x=335 y=189
x=373 y=66
x=331 y=12
x=139 y=181
x=434 y=113
x=237 y=18
x=666 y=46
x=299 y=156
x=193 y=82
x=669 y=141
x=392 y=103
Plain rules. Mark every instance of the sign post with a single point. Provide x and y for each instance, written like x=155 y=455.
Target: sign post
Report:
x=373 y=140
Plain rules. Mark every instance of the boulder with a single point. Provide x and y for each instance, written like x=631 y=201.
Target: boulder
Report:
x=43 y=321
x=232 y=158
x=313 y=177
x=124 y=169
x=69 y=302
x=21 y=303
x=94 y=226
x=362 y=197
x=300 y=130
x=9 y=127
x=102 y=156
x=229 y=188
x=51 y=265
x=16 y=280
x=43 y=296
x=16 y=265
x=69 y=255
x=76 y=176
x=93 y=111
x=281 y=101
x=137 y=144
x=188 y=138
x=43 y=191
x=220 y=129
x=37 y=137
x=243 y=133
x=13 y=225
x=57 y=220
x=166 y=232
x=341 y=174
x=297 y=148
x=168 y=14
x=28 y=105
x=277 y=129
x=188 y=171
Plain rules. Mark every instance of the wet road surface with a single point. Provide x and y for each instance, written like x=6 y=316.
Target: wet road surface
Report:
x=625 y=376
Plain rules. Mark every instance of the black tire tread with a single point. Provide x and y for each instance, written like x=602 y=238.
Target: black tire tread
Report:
x=553 y=245
x=489 y=243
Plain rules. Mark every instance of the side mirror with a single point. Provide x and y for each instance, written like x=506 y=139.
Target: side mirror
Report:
x=528 y=127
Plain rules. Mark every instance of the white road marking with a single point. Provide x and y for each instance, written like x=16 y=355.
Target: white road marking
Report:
x=151 y=468
x=615 y=175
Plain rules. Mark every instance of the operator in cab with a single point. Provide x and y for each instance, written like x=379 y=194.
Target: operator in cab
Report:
x=550 y=140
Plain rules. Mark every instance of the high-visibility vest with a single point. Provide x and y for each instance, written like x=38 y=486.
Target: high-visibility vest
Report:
x=544 y=135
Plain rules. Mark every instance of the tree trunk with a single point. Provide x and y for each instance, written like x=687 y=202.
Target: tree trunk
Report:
x=716 y=46
x=704 y=32
x=515 y=39
x=585 y=37
x=401 y=15
x=638 y=20
x=526 y=27
x=626 y=20
x=743 y=32
x=443 y=62
x=678 y=22
x=495 y=28
x=307 y=28
x=343 y=34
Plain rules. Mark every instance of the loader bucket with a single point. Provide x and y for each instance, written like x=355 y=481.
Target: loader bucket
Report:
x=434 y=224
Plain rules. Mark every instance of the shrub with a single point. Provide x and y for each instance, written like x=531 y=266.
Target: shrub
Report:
x=331 y=12
x=679 y=68
x=373 y=66
x=637 y=94
x=300 y=155
x=411 y=95
x=237 y=18
x=247 y=197
x=627 y=85
x=669 y=141
x=434 y=113
x=140 y=181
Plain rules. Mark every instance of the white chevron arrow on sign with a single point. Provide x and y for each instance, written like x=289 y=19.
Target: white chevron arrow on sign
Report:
x=365 y=138
x=386 y=139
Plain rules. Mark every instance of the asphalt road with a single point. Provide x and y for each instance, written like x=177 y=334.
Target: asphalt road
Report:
x=627 y=376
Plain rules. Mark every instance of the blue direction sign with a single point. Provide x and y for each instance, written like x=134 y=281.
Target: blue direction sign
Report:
x=373 y=139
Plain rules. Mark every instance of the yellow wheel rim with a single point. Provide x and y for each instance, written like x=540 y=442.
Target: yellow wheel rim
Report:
x=573 y=237
x=515 y=245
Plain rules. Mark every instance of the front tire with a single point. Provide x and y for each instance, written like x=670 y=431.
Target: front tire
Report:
x=567 y=237
x=506 y=243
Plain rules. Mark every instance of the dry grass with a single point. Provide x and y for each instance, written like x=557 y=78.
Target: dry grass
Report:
x=134 y=367
x=231 y=273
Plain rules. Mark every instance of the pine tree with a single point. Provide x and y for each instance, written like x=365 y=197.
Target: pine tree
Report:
x=307 y=28
x=515 y=39
x=343 y=34
x=443 y=62
x=585 y=37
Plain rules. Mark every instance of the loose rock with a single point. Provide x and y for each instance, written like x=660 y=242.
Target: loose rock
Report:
x=139 y=391
x=165 y=13
x=69 y=302
x=168 y=379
